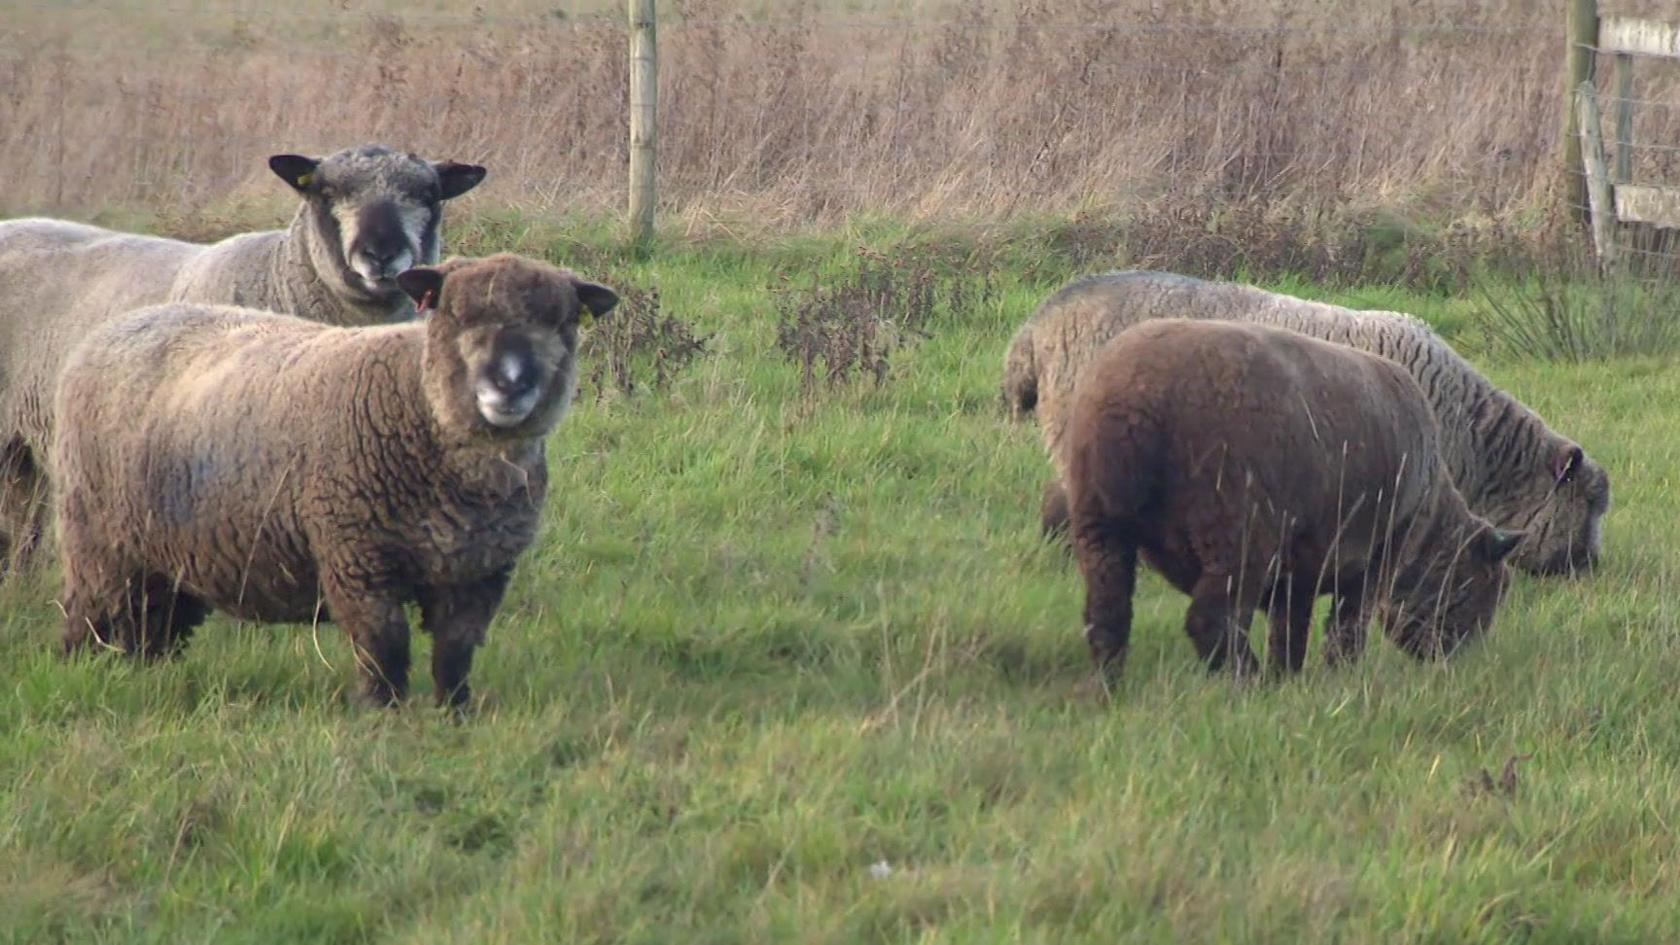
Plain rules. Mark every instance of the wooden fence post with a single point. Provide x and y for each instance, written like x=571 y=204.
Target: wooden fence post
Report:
x=1624 y=118
x=644 y=100
x=1578 y=60
x=1596 y=176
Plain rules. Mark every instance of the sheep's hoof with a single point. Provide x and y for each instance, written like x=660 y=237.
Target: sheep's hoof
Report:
x=379 y=696
x=458 y=701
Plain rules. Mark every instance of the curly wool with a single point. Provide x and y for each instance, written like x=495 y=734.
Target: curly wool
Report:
x=263 y=465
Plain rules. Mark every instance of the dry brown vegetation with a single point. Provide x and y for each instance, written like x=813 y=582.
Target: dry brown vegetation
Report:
x=641 y=347
x=805 y=110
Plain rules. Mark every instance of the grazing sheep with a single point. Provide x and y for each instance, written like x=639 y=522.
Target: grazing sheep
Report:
x=213 y=457
x=1256 y=467
x=368 y=213
x=1510 y=467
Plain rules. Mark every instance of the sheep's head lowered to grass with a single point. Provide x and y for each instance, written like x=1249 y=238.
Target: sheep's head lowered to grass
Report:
x=1561 y=508
x=501 y=341
x=371 y=212
x=1509 y=465
x=1447 y=596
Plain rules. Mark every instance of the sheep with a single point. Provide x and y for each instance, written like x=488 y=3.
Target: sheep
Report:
x=367 y=214
x=1509 y=465
x=1256 y=467
x=280 y=470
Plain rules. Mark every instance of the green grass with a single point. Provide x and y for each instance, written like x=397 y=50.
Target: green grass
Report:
x=763 y=644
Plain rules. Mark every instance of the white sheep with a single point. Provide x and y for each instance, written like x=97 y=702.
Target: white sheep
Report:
x=368 y=213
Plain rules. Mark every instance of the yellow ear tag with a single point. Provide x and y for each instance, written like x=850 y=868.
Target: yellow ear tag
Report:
x=586 y=318
x=304 y=180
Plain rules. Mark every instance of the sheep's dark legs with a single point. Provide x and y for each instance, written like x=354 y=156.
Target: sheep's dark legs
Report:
x=457 y=618
x=105 y=601
x=166 y=617
x=452 y=661
x=1345 y=629
x=1291 y=620
x=1218 y=625
x=149 y=619
x=1109 y=564
x=378 y=632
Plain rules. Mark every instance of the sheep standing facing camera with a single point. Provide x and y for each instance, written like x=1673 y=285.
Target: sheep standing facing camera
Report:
x=368 y=213
x=217 y=458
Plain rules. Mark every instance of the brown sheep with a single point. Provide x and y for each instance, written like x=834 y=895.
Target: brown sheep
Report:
x=1256 y=467
x=1511 y=467
x=281 y=470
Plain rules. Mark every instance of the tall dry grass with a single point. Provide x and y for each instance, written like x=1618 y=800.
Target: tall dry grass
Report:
x=800 y=110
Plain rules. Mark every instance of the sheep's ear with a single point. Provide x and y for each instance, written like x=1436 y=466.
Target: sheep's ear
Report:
x=1496 y=545
x=1566 y=464
x=597 y=299
x=457 y=179
x=423 y=284
x=294 y=169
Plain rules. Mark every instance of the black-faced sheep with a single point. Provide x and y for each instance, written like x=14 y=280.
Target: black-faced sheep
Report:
x=1255 y=467
x=277 y=469
x=368 y=213
x=1509 y=465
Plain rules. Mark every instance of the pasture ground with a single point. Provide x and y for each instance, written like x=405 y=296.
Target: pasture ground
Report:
x=768 y=641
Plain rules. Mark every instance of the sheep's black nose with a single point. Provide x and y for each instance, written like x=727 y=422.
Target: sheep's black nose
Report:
x=382 y=256
x=513 y=376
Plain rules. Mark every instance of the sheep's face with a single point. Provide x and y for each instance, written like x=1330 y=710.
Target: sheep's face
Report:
x=514 y=369
x=1453 y=595
x=375 y=212
x=1564 y=514
x=501 y=347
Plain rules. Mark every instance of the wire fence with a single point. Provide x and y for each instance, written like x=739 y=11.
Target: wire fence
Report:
x=998 y=108
x=805 y=16
x=1639 y=134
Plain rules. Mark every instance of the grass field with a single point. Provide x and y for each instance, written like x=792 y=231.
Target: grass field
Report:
x=770 y=641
